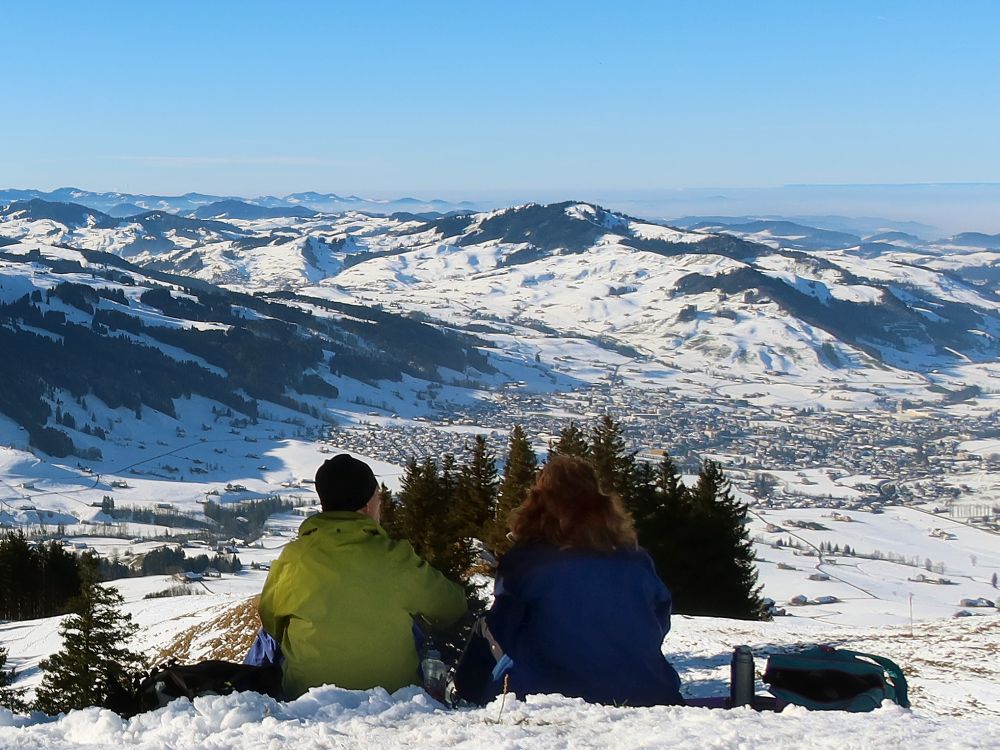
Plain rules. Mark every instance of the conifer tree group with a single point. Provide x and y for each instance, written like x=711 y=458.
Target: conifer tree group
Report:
x=696 y=536
x=36 y=580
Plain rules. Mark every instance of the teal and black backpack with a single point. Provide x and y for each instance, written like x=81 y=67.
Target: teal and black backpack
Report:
x=831 y=679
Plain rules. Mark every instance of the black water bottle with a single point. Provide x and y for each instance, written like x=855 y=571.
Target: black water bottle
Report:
x=741 y=678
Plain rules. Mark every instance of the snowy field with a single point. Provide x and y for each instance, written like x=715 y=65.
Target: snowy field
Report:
x=952 y=668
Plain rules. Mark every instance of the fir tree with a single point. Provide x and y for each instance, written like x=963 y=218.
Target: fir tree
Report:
x=719 y=538
x=612 y=462
x=419 y=501
x=669 y=479
x=11 y=698
x=94 y=667
x=518 y=476
x=664 y=523
x=571 y=442
x=426 y=516
x=448 y=480
x=644 y=501
x=35 y=581
x=390 y=508
x=658 y=504
x=477 y=489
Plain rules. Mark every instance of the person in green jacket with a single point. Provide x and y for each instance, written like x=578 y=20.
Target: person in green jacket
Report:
x=341 y=598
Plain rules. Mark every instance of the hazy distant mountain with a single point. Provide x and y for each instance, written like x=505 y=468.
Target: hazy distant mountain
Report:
x=902 y=238
x=125 y=209
x=190 y=203
x=234 y=209
x=860 y=226
x=68 y=214
x=976 y=239
x=784 y=234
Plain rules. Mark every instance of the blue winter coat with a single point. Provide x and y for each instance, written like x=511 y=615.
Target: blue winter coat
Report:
x=583 y=624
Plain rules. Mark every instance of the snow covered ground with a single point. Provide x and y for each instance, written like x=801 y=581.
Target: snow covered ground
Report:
x=952 y=668
x=333 y=718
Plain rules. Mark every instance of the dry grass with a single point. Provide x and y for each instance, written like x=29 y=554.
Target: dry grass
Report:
x=226 y=637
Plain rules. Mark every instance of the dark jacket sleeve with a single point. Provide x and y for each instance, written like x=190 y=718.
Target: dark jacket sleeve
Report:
x=505 y=616
x=663 y=603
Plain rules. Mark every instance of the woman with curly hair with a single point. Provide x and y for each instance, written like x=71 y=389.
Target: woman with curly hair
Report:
x=579 y=609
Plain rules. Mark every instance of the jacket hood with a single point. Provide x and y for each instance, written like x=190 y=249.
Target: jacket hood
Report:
x=340 y=527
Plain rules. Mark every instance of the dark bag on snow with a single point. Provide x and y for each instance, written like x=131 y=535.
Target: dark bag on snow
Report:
x=835 y=680
x=476 y=667
x=172 y=680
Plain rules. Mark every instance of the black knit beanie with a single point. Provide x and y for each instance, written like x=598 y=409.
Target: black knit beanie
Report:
x=344 y=483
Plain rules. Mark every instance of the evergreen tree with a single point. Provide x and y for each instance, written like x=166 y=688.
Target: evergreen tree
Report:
x=612 y=462
x=11 y=698
x=669 y=480
x=477 y=489
x=94 y=667
x=18 y=567
x=35 y=581
x=721 y=550
x=663 y=523
x=571 y=442
x=426 y=518
x=390 y=509
x=446 y=534
x=644 y=501
x=419 y=496
x=657 y=502
x=518 y=476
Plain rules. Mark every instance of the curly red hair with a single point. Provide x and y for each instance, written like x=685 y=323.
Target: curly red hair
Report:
x=567 y=508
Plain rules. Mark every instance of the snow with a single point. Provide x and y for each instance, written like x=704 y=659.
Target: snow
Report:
x=331 y=717
x=951 y=708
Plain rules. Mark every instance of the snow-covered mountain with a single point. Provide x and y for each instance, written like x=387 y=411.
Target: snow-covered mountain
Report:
x=754 y=299
x=90 y=326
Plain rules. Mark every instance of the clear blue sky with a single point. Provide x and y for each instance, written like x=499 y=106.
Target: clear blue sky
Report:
x=465 y=99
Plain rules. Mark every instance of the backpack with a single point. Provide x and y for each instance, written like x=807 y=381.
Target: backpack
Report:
x=214 y=677
x=830 y=679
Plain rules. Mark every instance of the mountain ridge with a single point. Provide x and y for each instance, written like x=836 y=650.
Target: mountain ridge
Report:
x=719 y=298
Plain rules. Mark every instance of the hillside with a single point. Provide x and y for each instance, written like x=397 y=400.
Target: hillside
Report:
x=835 y=308
x=94 y=334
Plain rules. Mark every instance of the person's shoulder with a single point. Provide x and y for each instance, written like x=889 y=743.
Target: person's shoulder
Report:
x=635 y=556
x=524 y=556
x=398 y=551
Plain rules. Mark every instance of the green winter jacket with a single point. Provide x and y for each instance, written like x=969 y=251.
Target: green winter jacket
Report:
x=340 y=598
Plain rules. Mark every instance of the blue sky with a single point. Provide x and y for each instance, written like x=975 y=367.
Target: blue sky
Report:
x=472 y=99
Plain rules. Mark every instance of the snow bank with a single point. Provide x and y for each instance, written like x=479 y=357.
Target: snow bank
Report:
x=331 y=717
